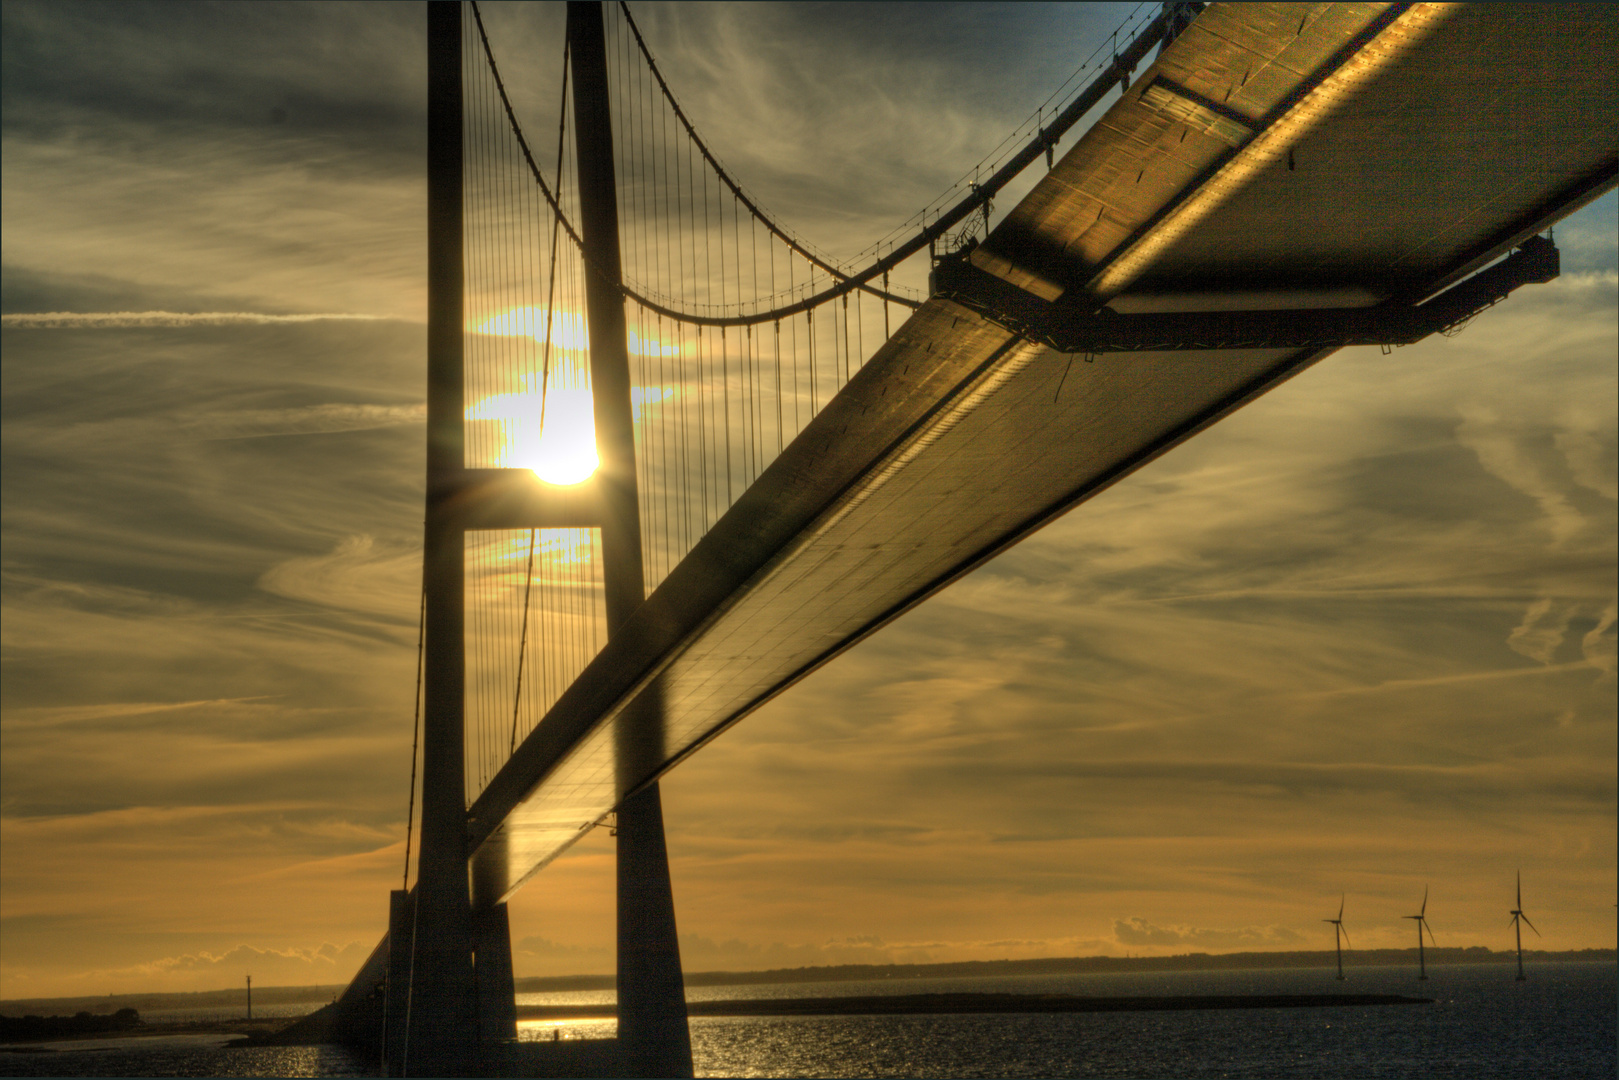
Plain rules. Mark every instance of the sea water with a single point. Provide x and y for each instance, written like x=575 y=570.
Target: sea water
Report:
x=1561 y=1022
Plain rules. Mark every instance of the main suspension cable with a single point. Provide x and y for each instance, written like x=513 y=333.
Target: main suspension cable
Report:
x=416 y=731
x=1116 y=73
x=714 y=163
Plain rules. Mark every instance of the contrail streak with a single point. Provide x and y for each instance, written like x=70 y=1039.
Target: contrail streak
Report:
x=118 y=320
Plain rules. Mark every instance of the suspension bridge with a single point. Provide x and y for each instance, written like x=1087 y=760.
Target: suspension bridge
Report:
x=678 y=457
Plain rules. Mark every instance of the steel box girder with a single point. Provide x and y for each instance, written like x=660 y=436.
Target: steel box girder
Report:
x=1070 y=329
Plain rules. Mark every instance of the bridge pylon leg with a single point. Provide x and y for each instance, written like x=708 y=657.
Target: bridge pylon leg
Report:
x=653 y=1036
x=653 y=1039
x=442 y=1016
x=442 y=1033
x=401 y=931
x=497 y=997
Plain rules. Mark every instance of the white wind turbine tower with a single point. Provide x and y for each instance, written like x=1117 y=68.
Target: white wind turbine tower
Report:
x=1519 y=917
x=1340 y=935
x=1422 y=924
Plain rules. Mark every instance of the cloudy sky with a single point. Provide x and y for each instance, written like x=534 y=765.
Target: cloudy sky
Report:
x=1358 y=638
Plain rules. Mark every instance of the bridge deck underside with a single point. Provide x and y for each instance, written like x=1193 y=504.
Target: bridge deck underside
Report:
x=955 y=442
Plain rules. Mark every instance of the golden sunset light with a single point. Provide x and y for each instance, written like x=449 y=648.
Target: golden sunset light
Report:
x=965 y=486
x=551 y=429
x=566 y=330
x=553 y=434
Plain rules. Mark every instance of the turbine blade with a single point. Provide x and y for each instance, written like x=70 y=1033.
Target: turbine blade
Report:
x=1346 y=938
x=1530 y=925
x=1424 y=910
x=1520 y=889
x=1425 y=926
x=1341 y=901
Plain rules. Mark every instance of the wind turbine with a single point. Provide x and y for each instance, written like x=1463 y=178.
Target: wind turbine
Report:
x=1422 y=924
x=1517 y=917
x=1340 y=935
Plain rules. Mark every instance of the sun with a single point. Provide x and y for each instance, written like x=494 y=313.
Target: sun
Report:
x=551 y=428
x=562 y=450
x=553 y=433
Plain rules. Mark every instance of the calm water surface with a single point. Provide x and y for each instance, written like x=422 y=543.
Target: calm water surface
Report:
x=1562 y=1023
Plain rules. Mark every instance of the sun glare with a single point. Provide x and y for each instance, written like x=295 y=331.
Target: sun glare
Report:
x=567 y=328
x=553 y=547
x=568 y=331
x=562 y=449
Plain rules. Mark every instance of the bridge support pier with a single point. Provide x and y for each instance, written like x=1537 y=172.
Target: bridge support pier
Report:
x=497 y=996
x=401 y=931
x=442 y=1033
x=653 y=1039
x=653 y=1035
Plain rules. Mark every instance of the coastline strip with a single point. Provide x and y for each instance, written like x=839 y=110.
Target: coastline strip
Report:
x=941 y=1004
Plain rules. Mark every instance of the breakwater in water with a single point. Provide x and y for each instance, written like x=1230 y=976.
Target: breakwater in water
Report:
x=965 y=1003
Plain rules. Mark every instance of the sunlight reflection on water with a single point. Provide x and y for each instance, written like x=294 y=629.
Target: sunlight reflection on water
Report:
x=182 y=1055
x=1561 y=1023
x=546 y=1030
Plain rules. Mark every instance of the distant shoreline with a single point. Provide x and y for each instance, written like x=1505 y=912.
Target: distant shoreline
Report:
x=1079 y=965
x=317 y=1028
x=957 y=1004
x=1084 y=965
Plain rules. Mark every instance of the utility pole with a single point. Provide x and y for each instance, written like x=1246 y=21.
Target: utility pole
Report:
x=250 y=997
x=653 y=1036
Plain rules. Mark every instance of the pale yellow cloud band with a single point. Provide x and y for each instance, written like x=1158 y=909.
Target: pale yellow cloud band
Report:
x=121 y=320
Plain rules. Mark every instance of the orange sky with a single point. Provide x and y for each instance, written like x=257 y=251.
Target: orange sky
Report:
x=1358 y=638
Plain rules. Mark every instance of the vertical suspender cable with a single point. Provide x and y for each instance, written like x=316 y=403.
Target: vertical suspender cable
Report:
x=545 y=377
x=770 y=250
x=777 y=354
x=859 y=334
x=809 y=319
x=416 y=733
x=793 y=324
x=886 y=334
x=848 y=363
x=522 y=645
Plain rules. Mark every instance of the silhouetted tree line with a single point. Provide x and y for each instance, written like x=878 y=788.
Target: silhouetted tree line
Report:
x=29 y=1028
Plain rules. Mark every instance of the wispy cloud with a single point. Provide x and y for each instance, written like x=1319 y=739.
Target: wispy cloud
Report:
x=134 y=320
x=308 y=420
x=293 y=966
x=1137 y=932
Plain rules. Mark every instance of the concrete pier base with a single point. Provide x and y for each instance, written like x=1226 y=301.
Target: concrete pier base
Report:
x=492 y=959
x=442 y=1021
x=401 y=930
x=653 y=1038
